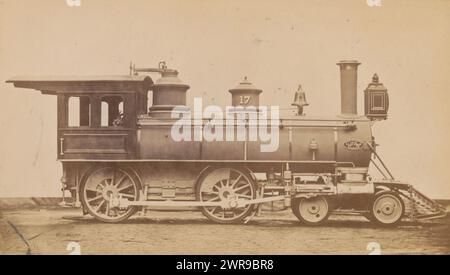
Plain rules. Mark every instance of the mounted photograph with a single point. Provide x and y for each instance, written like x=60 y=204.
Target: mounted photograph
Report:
x=246 y=128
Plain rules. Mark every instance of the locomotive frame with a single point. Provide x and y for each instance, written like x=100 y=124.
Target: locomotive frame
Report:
x=118 y=165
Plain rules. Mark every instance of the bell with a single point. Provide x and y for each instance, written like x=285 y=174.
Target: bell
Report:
x=300 y=100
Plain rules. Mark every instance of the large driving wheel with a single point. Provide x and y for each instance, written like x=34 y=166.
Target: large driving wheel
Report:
x=311 y=211
x=387 y=208
x=105 y=184
x=224 y=184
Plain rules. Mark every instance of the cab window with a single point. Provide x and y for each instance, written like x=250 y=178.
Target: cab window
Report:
x=112 y=113
x=79 y=111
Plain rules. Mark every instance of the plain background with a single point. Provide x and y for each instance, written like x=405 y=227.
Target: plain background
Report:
x=214 y=44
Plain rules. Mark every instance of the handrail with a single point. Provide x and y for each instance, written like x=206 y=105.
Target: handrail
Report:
x=381 y=161
x=378 y=168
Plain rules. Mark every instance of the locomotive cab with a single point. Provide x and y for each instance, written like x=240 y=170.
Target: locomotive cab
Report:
x=96 y=115
x=103 y=130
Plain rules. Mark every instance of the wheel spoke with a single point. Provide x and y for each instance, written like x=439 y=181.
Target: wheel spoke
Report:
x=120 y=180
x=125 y=187
x=221 y=184
x=93 y=190
x=229 y=178
x=107 y=208
x=242 y=187
x=99 y=206
x=114 y=177
x=236 y=181
x=212 y=210
x=213 y=199
x=94 y=199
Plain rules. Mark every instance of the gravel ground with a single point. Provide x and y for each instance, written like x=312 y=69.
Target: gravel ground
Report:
x=51 y=230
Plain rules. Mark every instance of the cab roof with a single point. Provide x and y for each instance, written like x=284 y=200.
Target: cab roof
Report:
x=54 y=84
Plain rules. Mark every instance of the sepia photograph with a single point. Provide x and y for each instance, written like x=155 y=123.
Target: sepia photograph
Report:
x=212 y=127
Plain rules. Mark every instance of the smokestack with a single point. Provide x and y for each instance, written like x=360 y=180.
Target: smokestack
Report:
x=349 y=77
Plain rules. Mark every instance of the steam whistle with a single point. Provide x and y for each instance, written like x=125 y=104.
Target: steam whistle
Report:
x=162 y=69
x=300 y=100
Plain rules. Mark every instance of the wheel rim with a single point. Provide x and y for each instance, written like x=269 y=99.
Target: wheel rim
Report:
x=223 y=184
x=387 y=209
x=314 y=209
x=106 y=184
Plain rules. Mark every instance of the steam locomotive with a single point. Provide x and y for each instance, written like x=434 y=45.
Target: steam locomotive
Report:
x=119 y=156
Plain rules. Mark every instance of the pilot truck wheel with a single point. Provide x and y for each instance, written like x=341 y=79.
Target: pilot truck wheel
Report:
x=311 y=211
x=226 y=184
x=105 y=184
x=387 y=209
